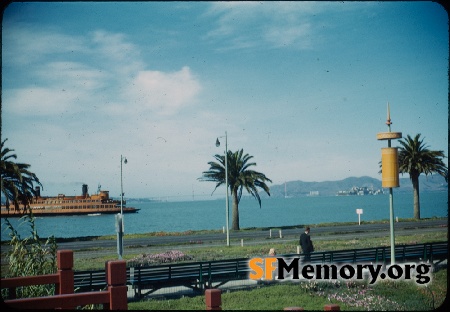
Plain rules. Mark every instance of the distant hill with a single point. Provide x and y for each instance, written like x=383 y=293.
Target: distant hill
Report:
x=432 y=183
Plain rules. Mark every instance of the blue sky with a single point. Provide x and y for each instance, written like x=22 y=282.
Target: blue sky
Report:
x=301 y=86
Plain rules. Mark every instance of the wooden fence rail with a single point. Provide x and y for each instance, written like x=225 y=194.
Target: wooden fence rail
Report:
x=114 y=298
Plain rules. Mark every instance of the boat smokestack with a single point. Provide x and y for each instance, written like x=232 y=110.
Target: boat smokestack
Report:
x=84 y=190
x=37 y=191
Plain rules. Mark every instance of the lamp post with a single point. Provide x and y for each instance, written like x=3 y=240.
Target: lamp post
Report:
x=119 y=217
x=226 y=185
x=389 y=173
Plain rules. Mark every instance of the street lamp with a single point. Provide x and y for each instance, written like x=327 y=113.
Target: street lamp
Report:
x=226 y=185
x=119 y=217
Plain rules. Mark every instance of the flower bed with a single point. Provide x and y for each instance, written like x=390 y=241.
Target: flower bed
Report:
x=165 y=257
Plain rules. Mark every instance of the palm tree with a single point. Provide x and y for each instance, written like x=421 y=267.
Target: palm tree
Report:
x=239 y=177
x=415 y=158
x=16 y=180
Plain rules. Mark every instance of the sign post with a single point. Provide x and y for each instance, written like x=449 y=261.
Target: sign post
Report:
x=359 y=212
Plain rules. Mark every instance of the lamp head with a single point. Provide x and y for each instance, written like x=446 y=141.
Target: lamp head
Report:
x=217 y=142
x=125 y=161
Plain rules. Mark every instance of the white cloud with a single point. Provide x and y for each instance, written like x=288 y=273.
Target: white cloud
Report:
x=283 y=24
x=115 y=54
x=24 y=44
x=164 y=93
x=72 y=75
x=277 y=24
x=37 y=101
x=100 y=69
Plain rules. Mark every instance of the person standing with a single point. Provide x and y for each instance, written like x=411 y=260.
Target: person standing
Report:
x=306 y=244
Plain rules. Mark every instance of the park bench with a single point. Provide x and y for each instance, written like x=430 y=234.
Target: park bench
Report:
x=419 y=252
x=437 y=251
x=89 y=280
x=364 y=255
x=196 y=275
x=156 y=277
x=422 y=252
x=222 y=271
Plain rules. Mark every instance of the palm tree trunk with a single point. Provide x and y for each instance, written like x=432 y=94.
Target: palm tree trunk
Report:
x=415 y=183
x=235 y=211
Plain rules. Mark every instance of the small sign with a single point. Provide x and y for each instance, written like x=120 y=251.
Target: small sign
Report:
x=359 y=212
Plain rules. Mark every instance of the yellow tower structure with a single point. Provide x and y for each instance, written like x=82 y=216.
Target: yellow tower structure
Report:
x=389 y=173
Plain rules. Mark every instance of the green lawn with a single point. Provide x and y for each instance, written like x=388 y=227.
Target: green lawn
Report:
x=197 y=252
x=312 y=295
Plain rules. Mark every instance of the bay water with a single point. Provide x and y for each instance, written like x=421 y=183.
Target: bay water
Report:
x=179 y=216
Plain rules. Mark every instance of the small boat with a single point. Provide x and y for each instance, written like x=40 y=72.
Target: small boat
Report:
x=84 y=204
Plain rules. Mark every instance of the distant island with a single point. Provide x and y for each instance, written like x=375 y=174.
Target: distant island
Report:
x=354 y=186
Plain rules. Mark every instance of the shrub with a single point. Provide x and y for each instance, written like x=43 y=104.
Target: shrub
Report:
x=29 y=257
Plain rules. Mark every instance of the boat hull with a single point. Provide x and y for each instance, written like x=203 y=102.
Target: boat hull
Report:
x=66 y=212
x=63 y=205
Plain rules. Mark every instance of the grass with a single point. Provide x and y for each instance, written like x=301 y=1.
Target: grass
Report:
x=311 y=295
x=198 y=252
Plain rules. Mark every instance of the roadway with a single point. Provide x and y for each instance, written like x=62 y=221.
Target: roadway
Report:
x=255 y=236
x=94 y=248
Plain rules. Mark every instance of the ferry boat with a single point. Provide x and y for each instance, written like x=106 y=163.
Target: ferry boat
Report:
x=84 y=204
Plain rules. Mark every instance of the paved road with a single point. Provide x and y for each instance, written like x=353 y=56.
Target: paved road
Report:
x=289 y=234
x=86 y=249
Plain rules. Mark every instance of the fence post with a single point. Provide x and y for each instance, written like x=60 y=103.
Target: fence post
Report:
x=65 y=272
x=117 y=279
x=213 y=298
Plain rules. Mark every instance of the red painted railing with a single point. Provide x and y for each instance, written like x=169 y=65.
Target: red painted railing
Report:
x=114 y=298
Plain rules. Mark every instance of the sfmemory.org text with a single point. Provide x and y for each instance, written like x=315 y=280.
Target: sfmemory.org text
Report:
x=272 y=268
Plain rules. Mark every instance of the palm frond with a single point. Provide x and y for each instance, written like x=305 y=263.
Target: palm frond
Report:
x=17 y=181
x=240 y=177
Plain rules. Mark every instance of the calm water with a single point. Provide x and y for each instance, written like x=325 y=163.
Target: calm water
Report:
x=207 y=215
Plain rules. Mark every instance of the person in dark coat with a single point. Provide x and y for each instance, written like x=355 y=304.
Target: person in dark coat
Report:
x=306 y=244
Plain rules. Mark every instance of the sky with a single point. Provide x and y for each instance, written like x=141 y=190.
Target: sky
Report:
x=303 y=87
